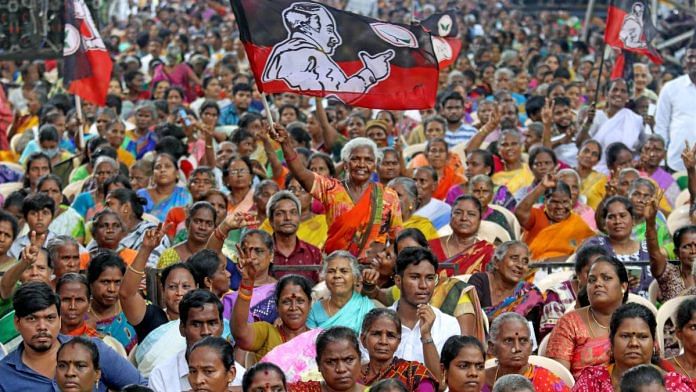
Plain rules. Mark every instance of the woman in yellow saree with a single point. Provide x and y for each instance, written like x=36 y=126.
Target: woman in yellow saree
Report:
x=516 y=174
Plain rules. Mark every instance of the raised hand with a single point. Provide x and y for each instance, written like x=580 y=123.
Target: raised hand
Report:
x=245 y=263
x=688 y=156
x=493 y=121
x=547 y=112
x=153 y=237
x=653 y=205
x=426 y=316
x=549 y=181
x=590 y=115
x=237 y=220
x=612 y=186
x=277 y=132
x=31 y=251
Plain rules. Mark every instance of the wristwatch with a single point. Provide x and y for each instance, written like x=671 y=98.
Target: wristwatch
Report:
x=427 y=341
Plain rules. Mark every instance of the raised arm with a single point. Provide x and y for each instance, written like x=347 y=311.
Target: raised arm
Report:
x=585 y=130
x=547 y=120
x=243 y=332
x=26 y=259
x=304 y=175
x=132 y=303
x=658 y=261
x=276 y=165
x=523 y=212
x=328 y=132
x=689 y=159
x=485 y=130
x=233 y=221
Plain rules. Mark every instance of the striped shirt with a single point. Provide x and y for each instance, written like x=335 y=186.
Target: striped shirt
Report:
x=462 y=135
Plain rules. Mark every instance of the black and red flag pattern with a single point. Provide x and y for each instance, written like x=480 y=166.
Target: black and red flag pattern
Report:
x=312 y=49
x=446 y=42
x=629 y=28
x=86 y=63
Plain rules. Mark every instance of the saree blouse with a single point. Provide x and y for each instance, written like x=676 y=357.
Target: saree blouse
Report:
x=180 y=197
x=598 y=379
x=572 y=341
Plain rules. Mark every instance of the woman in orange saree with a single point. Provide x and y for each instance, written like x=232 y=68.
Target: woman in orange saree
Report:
x=554 y=230
x=358 y=210
x=438 y=156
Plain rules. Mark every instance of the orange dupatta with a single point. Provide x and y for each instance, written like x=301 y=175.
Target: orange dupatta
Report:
x=350 y=231
x=559 y=239
x=448 y=180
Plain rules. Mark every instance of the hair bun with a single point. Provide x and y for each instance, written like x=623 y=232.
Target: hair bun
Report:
x=141 y=200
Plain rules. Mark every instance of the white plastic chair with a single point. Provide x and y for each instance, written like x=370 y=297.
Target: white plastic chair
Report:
x=460 y=149
x=668 y=311
x=511 y=219
x=554 y=279
x=653 y=292
x=549 y=364
x=678 y=219
x=543 y=344
x=464 y=278
x=493 y=232
x=9 y=187
x=412 y=150
x=682 y=199
x=637 y=299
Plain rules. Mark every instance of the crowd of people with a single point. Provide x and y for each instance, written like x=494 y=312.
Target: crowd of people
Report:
x=176 y=239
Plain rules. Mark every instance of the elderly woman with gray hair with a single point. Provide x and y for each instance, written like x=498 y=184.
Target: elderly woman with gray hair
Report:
x=511 y=344
x=482 y=188
x=571 y=178
x=345 y=306
x=503 y=287
x=87 y=204
x=358 y=211
x=408 y=198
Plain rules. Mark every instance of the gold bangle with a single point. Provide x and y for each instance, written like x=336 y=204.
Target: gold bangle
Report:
x=244 y=296
x=141 y=273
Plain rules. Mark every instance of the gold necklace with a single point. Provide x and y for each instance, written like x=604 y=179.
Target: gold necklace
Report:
x=682 y=368
x=595 y=319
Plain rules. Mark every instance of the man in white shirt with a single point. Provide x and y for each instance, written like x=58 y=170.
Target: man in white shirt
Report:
x=675 y=119
x=424 y=329
x=437 y=211
x=200 y=313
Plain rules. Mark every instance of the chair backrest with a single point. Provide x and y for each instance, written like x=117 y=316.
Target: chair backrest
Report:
x=7 y=188
x=150 y=218
x=72 y=190
x=637 y=299
x=511 y=219
x=554 y=367
x=543 y=344
x=683 y=198
x=460 y=149
x=653 y=292
x=412 y=150
x=554 y=279
x=549 y=364
x=678 y=219
x=493 y=232
x=668 y=311
x=116 y=345
x=464 y=278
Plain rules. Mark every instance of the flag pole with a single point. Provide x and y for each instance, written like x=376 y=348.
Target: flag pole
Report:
x=80 y=117
x=601 y=62
x=269 y=116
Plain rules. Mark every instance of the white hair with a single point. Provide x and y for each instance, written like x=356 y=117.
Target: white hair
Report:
x=513 y=383
x=570 y=172
x=106 y=159
x=277 y=198
x=360 y=142
x=341 y=254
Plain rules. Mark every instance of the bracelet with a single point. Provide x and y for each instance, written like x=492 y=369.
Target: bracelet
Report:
x=208 y=146
x=290 y=159
x=427 y=341
x=243 y=296
x=247 y=288
x=141 y=273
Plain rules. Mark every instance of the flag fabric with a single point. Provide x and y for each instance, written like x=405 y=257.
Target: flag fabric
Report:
x=629 y=28
x=446 y=41
x=312 y=49
x=623 y=66
x=87 y=64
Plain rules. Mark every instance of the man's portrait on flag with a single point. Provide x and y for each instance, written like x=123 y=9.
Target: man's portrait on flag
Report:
x=631 y=33
x=304 y=59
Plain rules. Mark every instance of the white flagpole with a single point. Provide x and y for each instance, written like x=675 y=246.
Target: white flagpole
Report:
x=269 y=115
x=80 y=117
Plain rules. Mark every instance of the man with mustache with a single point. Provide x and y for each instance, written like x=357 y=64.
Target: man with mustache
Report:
x=31 y=367
x=283 y=212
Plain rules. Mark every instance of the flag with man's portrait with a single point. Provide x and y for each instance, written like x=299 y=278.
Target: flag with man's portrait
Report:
x=630 y=28
x=313 y=49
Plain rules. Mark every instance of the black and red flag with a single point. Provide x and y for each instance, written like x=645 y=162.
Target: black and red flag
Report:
x=86 y=63
x=629 y=28
x=446 y=42
x=312 y=49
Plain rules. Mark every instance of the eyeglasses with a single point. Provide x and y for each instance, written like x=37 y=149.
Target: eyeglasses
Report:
x=297 y=191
